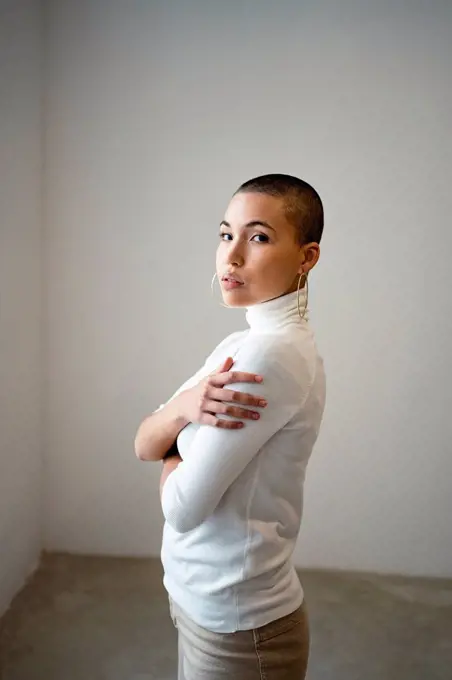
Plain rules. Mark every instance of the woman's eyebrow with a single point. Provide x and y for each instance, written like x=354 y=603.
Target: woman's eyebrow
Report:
x=253 y=223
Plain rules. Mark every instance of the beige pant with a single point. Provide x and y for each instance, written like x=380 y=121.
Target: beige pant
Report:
x=277 y=651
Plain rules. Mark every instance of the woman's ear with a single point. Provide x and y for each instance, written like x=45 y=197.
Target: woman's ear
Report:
x=310 y=254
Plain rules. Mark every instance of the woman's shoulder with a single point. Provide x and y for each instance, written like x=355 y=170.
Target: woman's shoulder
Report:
x=284 y=358
x=285 y=347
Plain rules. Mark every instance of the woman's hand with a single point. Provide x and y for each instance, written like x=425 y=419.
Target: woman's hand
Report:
x=209 y=399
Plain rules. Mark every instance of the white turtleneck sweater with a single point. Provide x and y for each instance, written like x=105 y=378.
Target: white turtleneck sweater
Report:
x=233 y=507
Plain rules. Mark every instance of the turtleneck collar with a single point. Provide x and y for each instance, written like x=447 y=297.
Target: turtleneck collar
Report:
x=276 y=313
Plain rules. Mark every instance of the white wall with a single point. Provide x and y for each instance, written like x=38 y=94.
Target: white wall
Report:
x=20 y=294
x=157 y=111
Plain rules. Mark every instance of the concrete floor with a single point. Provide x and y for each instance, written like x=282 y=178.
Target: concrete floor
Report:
x=107 y=619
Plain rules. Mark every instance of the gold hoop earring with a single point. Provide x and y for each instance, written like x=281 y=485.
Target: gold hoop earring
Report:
x=302 y=315
x=212 y=288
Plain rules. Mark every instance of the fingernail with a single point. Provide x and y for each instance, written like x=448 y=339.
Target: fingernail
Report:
x=256 y=416
x=259 y=378
x=263 y=402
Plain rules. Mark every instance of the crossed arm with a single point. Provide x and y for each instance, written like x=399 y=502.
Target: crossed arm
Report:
x=192 y=488
x=169 y=465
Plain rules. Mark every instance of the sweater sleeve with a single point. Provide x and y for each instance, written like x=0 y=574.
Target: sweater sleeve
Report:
x=191 y=382
x=211 y=363
x=218 y=456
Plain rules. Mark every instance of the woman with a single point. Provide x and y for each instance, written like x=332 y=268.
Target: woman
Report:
x=235 y=459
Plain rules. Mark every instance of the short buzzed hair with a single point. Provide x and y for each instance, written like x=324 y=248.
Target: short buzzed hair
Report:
x=303 y=205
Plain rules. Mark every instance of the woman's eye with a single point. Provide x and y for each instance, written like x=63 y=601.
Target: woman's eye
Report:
x=259 y=238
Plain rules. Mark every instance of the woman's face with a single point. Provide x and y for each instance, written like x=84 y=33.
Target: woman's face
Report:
x=259 y=257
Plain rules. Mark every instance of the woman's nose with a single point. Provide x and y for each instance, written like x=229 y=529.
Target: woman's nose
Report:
x=235 y=256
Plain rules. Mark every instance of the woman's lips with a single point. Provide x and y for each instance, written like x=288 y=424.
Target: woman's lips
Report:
x=231 y=283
